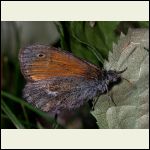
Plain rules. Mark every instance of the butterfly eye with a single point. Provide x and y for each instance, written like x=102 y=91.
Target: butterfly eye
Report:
x=41 y=55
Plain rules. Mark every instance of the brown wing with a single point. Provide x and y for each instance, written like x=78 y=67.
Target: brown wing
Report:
x=40 y=62
x=58 y=94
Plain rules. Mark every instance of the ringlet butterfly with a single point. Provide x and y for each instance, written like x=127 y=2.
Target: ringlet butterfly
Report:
x=57 y=80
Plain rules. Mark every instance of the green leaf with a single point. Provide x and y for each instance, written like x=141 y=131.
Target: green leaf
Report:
x=131 y=98
x=144 y=24
x=11 y=116
x=98 y=38
x=22 y=102
x=89 y=42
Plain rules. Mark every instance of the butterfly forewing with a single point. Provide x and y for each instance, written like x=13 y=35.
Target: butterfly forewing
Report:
x=39 y=62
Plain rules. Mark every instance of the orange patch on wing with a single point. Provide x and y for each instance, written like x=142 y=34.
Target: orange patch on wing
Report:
x=61 y=64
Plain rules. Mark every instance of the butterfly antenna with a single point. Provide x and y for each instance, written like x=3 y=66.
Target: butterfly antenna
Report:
x=119 y=72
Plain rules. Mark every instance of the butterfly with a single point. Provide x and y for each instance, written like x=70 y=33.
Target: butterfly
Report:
x=57 y=80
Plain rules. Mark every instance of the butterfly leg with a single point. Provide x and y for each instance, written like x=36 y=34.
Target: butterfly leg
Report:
x=94 y=102
x=110 y=96
x=56 y=116
x=55 y=124
x=111 y=99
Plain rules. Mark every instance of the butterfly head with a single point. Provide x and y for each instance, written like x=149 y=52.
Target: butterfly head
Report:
x=112 y=76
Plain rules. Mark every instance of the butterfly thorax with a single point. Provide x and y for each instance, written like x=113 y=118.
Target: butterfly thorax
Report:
x=107 y=80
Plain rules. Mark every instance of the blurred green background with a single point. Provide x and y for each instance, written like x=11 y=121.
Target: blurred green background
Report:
x=91 y=40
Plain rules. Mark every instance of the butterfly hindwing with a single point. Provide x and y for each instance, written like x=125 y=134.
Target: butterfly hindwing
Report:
x=59 y=93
